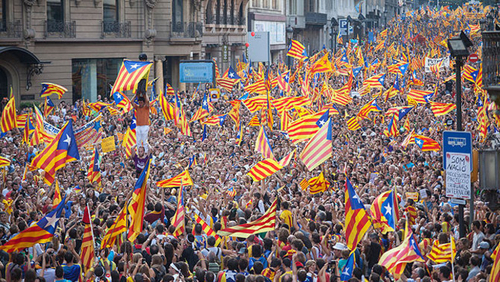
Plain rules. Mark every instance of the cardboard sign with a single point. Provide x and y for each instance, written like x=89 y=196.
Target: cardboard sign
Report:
x=108 y=144
x=120 y=136
x=412 y=195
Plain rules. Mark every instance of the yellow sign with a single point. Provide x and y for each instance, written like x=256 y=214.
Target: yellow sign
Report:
x=214 y=93
x=412 y=195
x=166 y=130
x=120 y=136
x=108 y=144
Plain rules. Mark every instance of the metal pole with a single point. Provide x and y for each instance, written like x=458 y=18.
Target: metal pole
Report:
x=458 y=96
x=335 y=46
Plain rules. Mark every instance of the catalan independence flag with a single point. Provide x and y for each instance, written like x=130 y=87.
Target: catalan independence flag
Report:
x=357 y=221
x=52 y=88
x=262 y=145
x=297 y=50
x=443 y=252
x=130 y=138
x=178 y=218
x=440 y=109
x=264 y=169
x=4 y=161
x=495 y=270
x=122 y=102
x=87 y=255
x=181 y=179
x=60 y=151
x=8 y=119
x=206 y=228
x=137 y=205
x=265 y=223
x=41 y=232
x=319 y=148
x=119 y=226
x=318 y=184
x=131 y=72
x=375 y=81
x=94 y=171
x=352 y=123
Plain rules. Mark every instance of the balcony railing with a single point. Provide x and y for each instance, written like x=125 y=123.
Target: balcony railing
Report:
x=316 y=18
x=116 y=29
x=211 y=19
x=186 y=30
x=60 y=29
x=11 y=29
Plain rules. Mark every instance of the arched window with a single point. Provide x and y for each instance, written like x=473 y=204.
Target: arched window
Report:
x=225 y=12
x=209 y=14
x=177 y=15
x=217 y=12
x=231 y=16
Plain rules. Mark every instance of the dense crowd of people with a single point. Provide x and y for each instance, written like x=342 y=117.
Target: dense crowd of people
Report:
x=308 y=243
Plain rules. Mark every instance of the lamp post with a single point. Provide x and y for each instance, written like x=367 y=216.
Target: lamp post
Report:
x=289 y=36
x=458 y=50
x=349 y=19
x=385 y=17
x=334 y=30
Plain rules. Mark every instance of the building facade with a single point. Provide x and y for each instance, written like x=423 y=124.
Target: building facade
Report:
x=269 y=16
x=81 y=44
x=225 y=28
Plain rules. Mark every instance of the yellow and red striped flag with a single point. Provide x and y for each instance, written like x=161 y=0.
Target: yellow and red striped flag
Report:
x=264 y=224
x=352 y=123
x=322 y=65
x=420 y=96
x=286 y=159
x=119 y=226
x=4 y=161
x=136 y=207
x=52 y=88
x=87 y=255
x=318 y=184
x=495 y=270
x=262 y=145
x=258 y=87
x=180 y=213
x=319 y=148
x=8 y=119
x=440 y=109
x=395 y=260
x=94 y=171
x=254 y=121
x=206 y=228
x=264 y=169
x=21 y=120
x=60 y=151
x=226 y=83
x=375 y=81
x=40 y=232
x=357 y=221
x=304 y=127
x=182 y=178
x=130 y=138
x=297 y=50
x=443 y=252
x=131 y=72
x=304 y=184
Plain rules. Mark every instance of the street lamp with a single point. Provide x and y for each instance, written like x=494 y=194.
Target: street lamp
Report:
x=458 y=50
x=334 y=24
x=385 y=17
x=289 y=36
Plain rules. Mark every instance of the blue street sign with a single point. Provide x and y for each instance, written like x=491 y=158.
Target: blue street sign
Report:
x=457 y=142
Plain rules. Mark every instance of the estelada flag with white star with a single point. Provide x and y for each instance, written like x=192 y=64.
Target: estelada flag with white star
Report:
x=60 y=151
x=41 y=232
x=131 y=72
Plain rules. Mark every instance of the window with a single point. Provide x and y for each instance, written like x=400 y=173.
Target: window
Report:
x=110 y=15
x=209 y=13
x=55 y=16
x=92 y=77
x=224 y=19
x=231 y=15
x=3 y=15
x=293 y=7
x=255 y=3
x=217 y=12
x=177 y=6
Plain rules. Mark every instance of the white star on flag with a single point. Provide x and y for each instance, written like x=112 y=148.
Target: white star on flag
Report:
x=346 y=271
x=52 y=221
x=134 y=66
x=67 y=140
x=388 y=209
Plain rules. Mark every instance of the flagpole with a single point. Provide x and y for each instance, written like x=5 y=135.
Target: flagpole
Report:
x=452 y=267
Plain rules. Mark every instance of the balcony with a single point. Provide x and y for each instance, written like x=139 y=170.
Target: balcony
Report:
x=60 y=29
x=185 y=32
x=222 y=20
x=11 y=29
x=318 y=19
x=116 y=29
